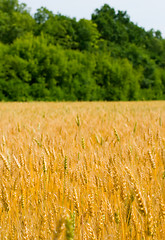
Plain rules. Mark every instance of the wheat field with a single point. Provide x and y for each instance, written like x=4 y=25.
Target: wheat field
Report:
x=82 y=171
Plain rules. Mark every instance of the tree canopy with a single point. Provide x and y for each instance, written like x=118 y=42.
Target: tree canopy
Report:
x=53 y=57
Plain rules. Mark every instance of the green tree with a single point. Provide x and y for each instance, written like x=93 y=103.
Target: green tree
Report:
x=88 y=35
x=117 y=78
x=9 y=6
x=15 y=20
x=111 y=25
x=42 y=15
x=62 y=31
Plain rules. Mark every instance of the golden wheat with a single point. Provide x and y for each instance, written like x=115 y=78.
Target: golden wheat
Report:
x=82 y=171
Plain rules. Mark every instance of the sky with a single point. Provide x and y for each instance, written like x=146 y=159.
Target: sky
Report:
x=146 y=13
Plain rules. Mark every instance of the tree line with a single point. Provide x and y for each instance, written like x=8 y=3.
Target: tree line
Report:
x=52 y=57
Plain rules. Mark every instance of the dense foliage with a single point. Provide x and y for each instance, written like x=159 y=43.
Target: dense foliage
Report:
x=53 y=57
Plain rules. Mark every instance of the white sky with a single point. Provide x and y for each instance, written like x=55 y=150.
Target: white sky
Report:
x=146 y=13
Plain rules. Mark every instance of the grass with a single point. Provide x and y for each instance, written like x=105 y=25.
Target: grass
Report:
x=82 y=170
